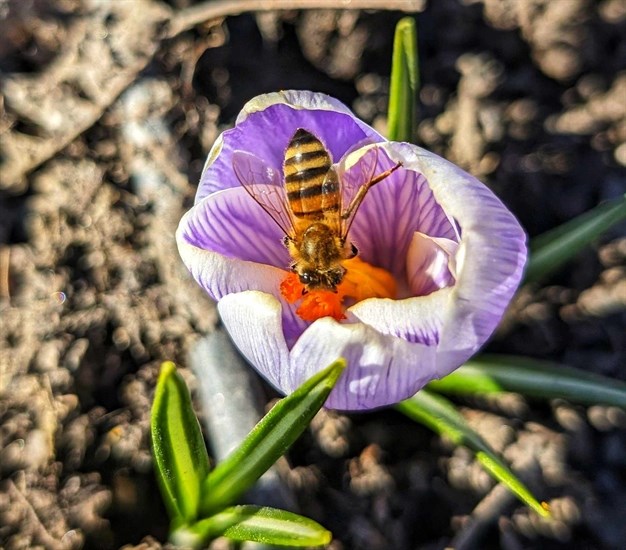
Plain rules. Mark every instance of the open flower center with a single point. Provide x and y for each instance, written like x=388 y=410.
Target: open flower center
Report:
x=361 y=281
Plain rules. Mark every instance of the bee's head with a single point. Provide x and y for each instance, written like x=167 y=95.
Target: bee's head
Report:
x=328 y=279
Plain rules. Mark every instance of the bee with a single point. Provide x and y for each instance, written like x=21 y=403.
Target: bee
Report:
x=314 y=204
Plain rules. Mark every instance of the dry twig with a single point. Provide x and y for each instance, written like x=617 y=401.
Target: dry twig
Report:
x=190 y=17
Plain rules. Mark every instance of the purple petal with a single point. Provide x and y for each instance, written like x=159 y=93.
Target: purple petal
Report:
x=490 y=259
x=392 y=212
x=218 y=274
x=210 y=255
x=267 y=124
x=254 y=322
x=416 y=320
x=381 y=369
x=231 y=223
x=428 y=261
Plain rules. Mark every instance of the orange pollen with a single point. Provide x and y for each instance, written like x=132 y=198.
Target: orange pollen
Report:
x=360 y=282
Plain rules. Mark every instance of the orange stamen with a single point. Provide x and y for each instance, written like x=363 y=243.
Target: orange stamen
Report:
x=291 y=288
x=360 y=282
x=321 y=303
x=363 y=280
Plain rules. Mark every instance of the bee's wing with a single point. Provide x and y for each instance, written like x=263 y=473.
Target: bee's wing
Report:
x=264 y=184
x=331 y=200
x=359 y=145
x=355 y=179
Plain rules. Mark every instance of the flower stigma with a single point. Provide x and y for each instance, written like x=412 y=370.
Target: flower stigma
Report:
x=361 y=281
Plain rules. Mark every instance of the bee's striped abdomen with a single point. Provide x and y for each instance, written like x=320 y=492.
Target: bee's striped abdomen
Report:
x=307 y=164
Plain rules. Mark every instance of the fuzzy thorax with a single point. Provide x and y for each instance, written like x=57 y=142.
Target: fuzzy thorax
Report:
x=317 y=256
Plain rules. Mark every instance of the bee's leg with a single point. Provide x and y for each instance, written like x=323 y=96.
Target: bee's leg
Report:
x=304 y=291
x=354 y=251
x=286 y=241
x=360 y=195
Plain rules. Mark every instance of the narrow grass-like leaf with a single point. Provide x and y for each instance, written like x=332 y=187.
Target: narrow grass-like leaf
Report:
x=180 y=455
x=532 y=377
x=552 y=249
x=438 y=414
x=257 y=524
x=268 y=441
x=402 y=115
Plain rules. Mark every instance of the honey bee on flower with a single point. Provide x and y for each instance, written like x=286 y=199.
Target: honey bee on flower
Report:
x=314 y=208
x=439 y=256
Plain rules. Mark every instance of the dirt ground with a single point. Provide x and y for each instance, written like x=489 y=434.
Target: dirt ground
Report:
x=108 y=110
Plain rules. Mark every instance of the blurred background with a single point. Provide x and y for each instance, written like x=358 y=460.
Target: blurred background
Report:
x=107 y=113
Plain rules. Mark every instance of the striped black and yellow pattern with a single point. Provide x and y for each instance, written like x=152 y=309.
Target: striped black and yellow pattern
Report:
x=312 y=191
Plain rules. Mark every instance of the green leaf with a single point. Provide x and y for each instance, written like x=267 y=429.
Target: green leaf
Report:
x=532 y=377
x=268 y=441
x=402 y=116
x=552 y=249
x=180 y=455
x=257 y=524
x=438 y=414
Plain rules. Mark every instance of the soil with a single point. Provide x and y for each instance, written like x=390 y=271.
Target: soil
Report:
x=105 y=123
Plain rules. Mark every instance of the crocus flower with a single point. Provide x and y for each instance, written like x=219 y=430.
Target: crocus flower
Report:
x=439 y=258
